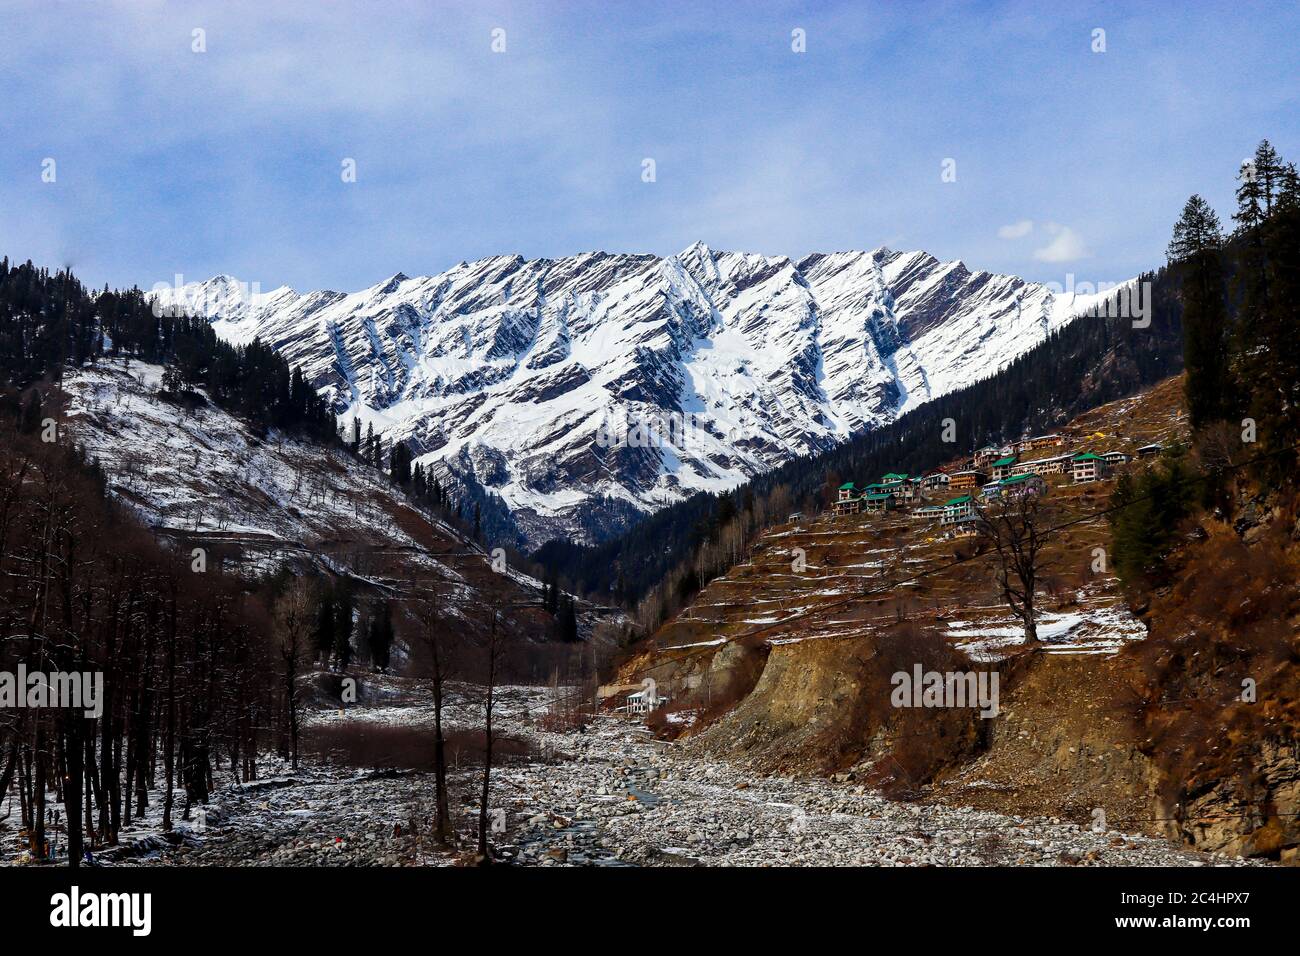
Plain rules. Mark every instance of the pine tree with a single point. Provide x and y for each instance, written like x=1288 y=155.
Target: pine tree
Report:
x=1268 y=171
x=343 y=614
x=1276 y=405
x=1145 y=517
x=1265 y=285
x=1196 y=246
x=323 y=638
x=30 y=420
x=567 y=619
x=379 y=636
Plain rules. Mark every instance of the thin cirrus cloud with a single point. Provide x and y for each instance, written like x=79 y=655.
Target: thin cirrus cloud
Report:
x=1065 y=245
x=1016 y=230
x=231 y=162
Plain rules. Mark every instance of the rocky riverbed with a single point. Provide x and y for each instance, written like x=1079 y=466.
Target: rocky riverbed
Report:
x=608 y=794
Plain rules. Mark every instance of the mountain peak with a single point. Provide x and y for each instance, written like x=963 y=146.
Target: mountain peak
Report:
x=696 y=248
x=505 y=369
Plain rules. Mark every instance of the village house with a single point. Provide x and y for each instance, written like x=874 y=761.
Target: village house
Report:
x=1150 y=451
x=1056 y=465
x=637 y=698
x=1089 y=467
x=903 y=488
x=1115 y=458
x=847 y=501
x=1040 y=441
x=935 y=479
x=878 y=501
x=927 y=513
x=1002 y=467
x=983 y=456
x=1018 y=485
x=967 y=480
x=992 y=490
x=957 y=509
x=643 y=701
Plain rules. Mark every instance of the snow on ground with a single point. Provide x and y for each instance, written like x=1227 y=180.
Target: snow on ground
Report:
x=203 y=472
x=607 y=794
x=1102 y=624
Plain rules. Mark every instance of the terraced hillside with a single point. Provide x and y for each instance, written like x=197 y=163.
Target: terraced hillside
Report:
x=837 y=577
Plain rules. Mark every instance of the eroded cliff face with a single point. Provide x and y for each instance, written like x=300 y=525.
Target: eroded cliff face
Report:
x=1221 y=678
x=1060 y=744
x=1256 y=813
x=1154 y=737
x=1076 y=737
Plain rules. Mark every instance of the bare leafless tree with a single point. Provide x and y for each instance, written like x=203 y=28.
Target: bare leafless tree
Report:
x=493 y=652
x=436 y=640
x=294 y=617
x=1013 y=526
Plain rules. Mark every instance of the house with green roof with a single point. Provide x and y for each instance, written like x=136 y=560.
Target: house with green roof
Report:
x=879 y=501
x=958 y=509
x=904 y=487
x=1026 y=484
x=927 y=513
x=1002 y=467
x=847 y=501
x=1089 y=467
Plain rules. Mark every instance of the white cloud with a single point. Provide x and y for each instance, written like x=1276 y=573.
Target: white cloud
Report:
x=1066 y=245
x=1017 y=230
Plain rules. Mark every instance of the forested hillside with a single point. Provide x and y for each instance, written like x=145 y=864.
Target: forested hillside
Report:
x=179 y=519
x=49 y=322
x=1148 y=659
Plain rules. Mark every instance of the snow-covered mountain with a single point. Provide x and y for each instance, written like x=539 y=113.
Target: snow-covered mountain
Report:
x=588 y=389
x=198 y=476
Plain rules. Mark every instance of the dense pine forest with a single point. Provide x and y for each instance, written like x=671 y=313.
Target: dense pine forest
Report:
x=50 y=322
x=1239 y=292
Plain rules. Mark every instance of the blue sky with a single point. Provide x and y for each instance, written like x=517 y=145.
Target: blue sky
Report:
x=1067 y=161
